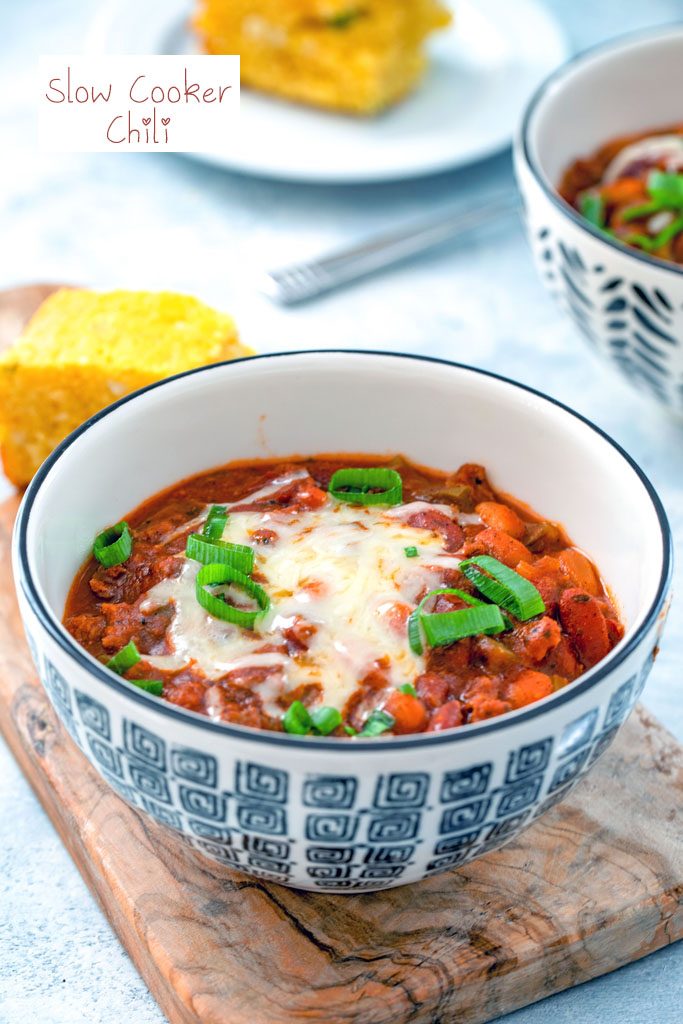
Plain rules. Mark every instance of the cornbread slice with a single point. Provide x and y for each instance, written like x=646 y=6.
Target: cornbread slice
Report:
x=82 y=350
x=352 y=55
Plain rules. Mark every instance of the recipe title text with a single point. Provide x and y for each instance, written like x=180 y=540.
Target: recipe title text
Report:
x=164 y=103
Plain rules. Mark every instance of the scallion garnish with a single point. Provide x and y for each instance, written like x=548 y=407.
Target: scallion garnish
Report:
x=378 y=486
x=409 y=689
x=411 y=552
x=297 y=720
x=642 y=210
x=221 y=575
x=326 y=720
x=215 y=522
x=153 y=686
x=114 y=545
x=414 y=635
x=666 y=188
x=376 y=723
x=504 y=586
x=219 y=552
x=126 y=658
x=644 y=241
x=667 y=234
x=444 y=628
x=592 y=207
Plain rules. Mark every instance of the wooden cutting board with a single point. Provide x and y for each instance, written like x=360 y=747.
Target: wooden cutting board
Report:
x=594 y=884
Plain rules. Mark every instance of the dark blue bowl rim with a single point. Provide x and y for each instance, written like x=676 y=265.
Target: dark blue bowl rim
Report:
x=662 y=32
x=127 y=690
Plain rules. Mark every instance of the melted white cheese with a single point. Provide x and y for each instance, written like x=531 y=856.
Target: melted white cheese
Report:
x=668 y=148
x=342 y=569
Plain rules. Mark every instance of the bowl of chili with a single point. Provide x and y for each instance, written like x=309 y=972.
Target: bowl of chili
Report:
x=285 y=611
x=599 y=163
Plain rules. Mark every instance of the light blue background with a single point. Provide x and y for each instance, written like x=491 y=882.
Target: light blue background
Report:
x=154 y=221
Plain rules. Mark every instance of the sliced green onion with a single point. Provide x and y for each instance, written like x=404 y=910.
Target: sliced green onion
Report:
x=296 y=719
x=504 y=586
x=667 y=188
x=409 y=689
x=650 y=243
x=326 y=720
x=444 y=628
x=219 y=552
x=114 y=545
x=414 y=633
x=220 y=575
x=667 y=234
x=642 y=210
x=411 y=552
x=215 y=522
x=350 y=731
x=592 y=207
x=379 y=486
x=644 y=241
x=153 y=686
x=126 y=658
x=376 y=723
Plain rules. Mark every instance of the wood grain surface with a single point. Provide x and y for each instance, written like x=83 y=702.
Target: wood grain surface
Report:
x=596 y=883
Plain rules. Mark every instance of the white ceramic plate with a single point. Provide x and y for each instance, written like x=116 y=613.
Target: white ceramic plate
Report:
x=483 y=71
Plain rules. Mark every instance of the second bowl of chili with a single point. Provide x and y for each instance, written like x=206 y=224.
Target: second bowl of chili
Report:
x=599 y=164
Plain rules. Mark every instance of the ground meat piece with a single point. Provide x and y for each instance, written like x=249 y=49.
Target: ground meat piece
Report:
x=483 y=708
x=86 y=629
x=108 y=583
x=186 y=693
x=220 y=703
x=143 y=570
x=122 y=624
x=377 y=678
x=546 y=576
x=125 y=622
x=300 y=494
x=450 y=661
x=482 y=699
x=450 y=716
x=562 y=661
x=299 y=634
x=249 y=676
x=447 y=603
x=432 y=690
x=492 y=655
x=306 y=693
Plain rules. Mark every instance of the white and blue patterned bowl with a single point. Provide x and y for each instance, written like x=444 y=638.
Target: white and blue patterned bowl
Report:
x=326 y=814
x=628 y=305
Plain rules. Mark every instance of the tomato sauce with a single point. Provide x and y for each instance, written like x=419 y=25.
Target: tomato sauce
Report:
x=343 y=583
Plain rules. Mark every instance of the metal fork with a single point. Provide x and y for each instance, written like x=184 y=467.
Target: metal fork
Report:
x=303 y=281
